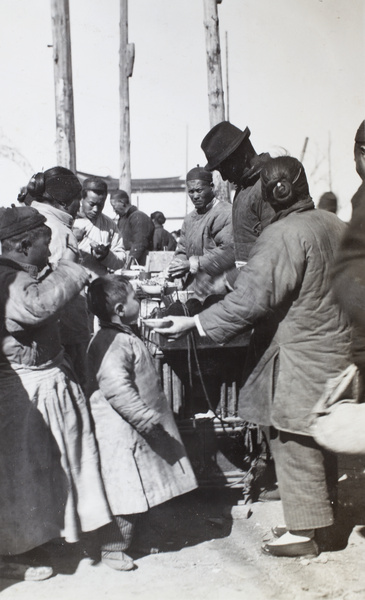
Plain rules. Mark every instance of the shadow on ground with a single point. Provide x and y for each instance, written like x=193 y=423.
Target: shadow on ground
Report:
x=184 y=521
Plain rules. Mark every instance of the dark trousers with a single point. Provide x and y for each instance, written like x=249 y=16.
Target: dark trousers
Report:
x=307 y=478
x=117 y=536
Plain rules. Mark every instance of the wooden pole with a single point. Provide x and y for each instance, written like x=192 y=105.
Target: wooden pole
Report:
x=126 y=61
x=213 y=51
x=215 y=82
x=227 y=78
x=65 y=124
x=304 y=149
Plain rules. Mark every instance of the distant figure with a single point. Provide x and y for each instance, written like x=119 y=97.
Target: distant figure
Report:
x=176 y=234
x=229 y=151
x=100 y=243
x=328 y=201
x=205 y=251
x=162 y=239
x=135 y=227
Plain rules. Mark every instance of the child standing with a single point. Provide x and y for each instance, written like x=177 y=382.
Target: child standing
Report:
x=143 y=459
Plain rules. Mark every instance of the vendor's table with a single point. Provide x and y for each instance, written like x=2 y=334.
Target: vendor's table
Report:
x=201 y=382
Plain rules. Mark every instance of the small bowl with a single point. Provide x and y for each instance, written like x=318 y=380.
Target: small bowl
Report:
x=159 y=323
x=129 y=274
x=151 y=289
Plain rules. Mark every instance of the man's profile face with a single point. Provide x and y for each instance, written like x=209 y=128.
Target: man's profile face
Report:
x=359 y=155
x=92 y=205
x=120 y=205
x=200 y=193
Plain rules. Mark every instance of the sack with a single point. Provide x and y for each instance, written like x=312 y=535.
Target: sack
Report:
x=338 y=419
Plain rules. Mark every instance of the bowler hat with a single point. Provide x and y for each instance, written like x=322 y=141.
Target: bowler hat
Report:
x=223 y=139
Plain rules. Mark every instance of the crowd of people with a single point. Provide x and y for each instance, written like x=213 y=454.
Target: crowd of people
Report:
x=88 y=441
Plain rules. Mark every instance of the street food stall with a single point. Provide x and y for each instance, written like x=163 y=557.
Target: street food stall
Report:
x=201 y=382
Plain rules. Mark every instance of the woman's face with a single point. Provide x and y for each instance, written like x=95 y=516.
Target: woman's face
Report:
x=38 y=252
x=74 y=207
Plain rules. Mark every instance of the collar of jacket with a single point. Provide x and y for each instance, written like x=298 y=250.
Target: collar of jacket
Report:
x=251 y=174
x=117 y=326
x=48 y=210
x=19 y=266
x=300 y=206
x=209 y=206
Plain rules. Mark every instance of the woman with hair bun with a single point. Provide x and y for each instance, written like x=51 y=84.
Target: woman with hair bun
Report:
x=300 y=340
x=162 y=239
x=56 y=195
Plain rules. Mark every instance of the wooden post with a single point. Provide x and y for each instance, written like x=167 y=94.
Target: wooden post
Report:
x=126 y=60
x=215 y=83
x=65 y=124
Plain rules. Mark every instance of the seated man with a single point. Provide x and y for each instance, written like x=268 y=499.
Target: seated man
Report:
x=135 y=227
x=100 y=244
x=205 y=249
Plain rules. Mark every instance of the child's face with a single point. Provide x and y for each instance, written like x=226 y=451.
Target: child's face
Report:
x=131 y=307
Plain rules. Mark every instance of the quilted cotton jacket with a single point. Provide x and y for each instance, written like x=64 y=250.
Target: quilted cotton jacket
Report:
x=301 y=337
x=30 y=308
x=127 y=403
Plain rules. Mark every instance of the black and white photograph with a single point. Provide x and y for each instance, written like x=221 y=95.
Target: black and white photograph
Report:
x=182 y=300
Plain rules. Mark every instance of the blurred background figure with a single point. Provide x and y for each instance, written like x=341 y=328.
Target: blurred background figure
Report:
x=328 y=201
x=135 y=227
x=162 y=239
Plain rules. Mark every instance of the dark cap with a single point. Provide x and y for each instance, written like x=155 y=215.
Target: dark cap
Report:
x=223 y=139
x=328 y=201
x=95 y=184
x=360 y=134
x=199 y=173
x=19 y=219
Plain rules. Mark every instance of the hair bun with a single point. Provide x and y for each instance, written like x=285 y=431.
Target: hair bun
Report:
x=36 y=185
x=282 y=191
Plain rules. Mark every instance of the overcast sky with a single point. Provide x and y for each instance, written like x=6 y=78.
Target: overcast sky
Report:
x=296 y=70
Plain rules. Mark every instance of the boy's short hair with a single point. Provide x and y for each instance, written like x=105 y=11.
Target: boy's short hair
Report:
x=105 y=292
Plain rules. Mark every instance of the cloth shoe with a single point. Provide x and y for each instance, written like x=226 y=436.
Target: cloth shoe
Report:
x=120 y=561
x=290 y=544
x=22 y=572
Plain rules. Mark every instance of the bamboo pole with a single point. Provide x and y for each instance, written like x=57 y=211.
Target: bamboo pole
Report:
x=126 y=61
x=65 y=124
x=215 y=82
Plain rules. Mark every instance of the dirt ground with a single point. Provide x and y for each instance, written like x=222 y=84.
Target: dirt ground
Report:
x=209 y=546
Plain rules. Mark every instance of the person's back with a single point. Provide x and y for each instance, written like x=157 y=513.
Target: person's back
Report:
x=162 y=239
x=135 y=227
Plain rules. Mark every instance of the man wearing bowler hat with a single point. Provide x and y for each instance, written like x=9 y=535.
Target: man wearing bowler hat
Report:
x=228 y=150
